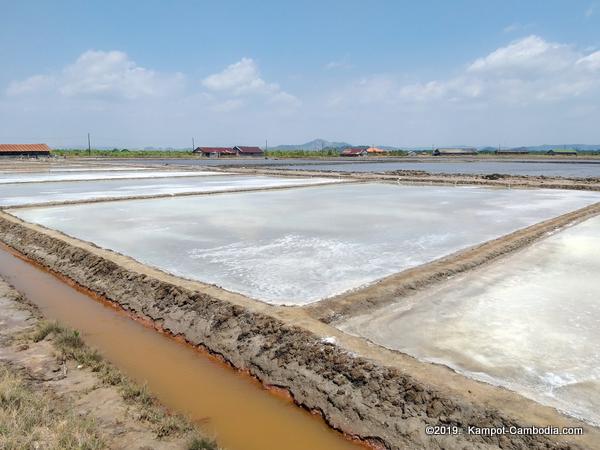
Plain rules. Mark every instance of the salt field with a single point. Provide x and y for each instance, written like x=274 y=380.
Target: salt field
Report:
x=32 y=177
x=530 y=322
x=28 y=193
x=298 y=246
x=546 y=168
x=581 y=168
x=264 y=230
x=93 y=169
x=73 y=168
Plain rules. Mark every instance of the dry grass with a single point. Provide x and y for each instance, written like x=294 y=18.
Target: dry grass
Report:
x=29 y=418
x=44 y=329
x=71 y=346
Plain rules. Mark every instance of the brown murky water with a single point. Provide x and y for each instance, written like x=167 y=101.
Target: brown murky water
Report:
x=232 y=406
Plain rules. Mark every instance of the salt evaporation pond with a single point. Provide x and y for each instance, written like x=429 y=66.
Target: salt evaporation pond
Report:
x=297 y=246
x=93 y=169
x=530 y=322
x=32 y=177
x=52 y=169
x=28 y=193
x=561 y=169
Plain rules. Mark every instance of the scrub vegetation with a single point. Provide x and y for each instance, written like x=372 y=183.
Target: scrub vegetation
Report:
x=325 y=153
x=124 y=153
x=70 y=346
x=313 y=154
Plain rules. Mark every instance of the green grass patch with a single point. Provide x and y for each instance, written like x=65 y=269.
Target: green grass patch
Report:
x=123 y=153
x=199 y=443
x=44 y=329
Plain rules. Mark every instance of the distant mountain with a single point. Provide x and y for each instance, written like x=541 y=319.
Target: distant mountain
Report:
x=313 y=145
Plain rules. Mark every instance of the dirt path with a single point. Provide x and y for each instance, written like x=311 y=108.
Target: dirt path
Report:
x=115 y=414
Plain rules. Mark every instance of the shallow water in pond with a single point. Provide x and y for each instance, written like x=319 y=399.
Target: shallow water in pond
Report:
x=64 y=168
x=60 y=191
x=297 y=246
x=529 y=322
x=546 y=168
x=240 y=413
x=33 y=177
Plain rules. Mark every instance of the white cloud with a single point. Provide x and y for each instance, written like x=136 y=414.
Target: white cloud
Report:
x=242 y=79
x=589 y=12
x=526 y=91
x=591 y=61
x=524 y=56
x=29 y=85
x=123 y=103
x=514 y=27
x=101 y=74
x=526 y=71
x=113 y=73
x=229 y=105
x=341 y=64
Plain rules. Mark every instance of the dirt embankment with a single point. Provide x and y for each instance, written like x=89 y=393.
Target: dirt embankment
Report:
x=421 y=177
x=380 y=404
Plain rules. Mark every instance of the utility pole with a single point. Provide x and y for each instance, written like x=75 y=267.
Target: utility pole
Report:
x=193 y=145
x=89 y=146
x=266 y=145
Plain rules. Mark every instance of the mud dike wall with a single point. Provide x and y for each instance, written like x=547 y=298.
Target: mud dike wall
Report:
x=384 y=406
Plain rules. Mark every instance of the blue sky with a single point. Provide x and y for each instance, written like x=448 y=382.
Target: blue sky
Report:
x=379 y=72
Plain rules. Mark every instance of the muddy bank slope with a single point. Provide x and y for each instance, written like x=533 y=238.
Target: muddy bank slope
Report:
x=79 y=406
x=364 y=397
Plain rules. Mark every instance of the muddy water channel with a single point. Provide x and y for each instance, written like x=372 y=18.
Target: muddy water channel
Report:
x=232 y=406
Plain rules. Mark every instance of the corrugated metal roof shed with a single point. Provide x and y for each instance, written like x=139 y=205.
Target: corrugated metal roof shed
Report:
x=455 y=151
x=24 y=148
x=247 y=149
x=562 y=151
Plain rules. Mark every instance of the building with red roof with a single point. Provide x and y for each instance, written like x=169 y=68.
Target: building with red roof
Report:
x=241 y=150
x=31 y=150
